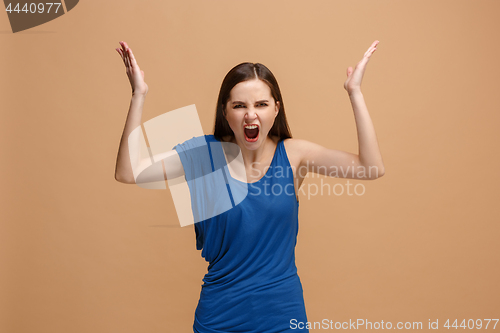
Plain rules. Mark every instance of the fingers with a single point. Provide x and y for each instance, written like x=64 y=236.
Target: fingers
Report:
x=120 y=52
x=124 y=53
x=130 y=56
x=133 y=62
x=375 y=43
x=127 y=54
x=371 y=49
x=349 y=71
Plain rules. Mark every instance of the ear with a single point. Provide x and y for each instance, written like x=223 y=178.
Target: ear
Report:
x=277 y=108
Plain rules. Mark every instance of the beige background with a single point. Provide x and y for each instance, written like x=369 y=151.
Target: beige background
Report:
x=80 y=252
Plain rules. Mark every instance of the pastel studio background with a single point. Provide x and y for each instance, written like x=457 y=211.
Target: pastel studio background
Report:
x=80 y=252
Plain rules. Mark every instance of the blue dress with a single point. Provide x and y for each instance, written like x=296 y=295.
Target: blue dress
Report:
x=252 y=283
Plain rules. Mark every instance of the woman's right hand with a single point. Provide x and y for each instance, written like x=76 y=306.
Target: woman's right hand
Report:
x=134 y=73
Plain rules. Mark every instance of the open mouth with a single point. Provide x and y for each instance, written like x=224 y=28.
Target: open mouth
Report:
x=251 y=133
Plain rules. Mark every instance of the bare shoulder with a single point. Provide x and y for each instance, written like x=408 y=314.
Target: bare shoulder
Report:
x=297 y=143
x=304 y=151
x=296 y=149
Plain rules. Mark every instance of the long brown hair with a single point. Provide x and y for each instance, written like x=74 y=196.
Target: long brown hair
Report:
x=244 y=72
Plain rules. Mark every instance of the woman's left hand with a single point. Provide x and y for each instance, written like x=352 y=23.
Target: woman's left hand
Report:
x=354 y=77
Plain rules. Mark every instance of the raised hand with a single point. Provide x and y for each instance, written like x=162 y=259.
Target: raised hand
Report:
x=134 y=73
x=354 y=77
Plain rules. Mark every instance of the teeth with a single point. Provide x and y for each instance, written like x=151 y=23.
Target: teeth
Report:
x=250 y=126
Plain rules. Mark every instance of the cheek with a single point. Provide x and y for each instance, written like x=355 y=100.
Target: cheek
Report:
x=231 y=120
x=271 y=119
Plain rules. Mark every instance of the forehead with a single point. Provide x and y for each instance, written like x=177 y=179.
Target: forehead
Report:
x=252 y=90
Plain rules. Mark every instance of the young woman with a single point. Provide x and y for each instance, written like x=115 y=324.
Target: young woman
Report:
x=252 y=283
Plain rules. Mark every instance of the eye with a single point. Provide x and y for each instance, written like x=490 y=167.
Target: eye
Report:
x=262 y=104
x=237 y=106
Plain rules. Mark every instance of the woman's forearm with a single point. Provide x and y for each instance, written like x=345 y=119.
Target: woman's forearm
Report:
x=123 y=170
x=369 y=151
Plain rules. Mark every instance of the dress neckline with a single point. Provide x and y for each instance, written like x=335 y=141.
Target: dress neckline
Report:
x=268 y=169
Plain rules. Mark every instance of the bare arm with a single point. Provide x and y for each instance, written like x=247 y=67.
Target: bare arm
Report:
x=123 y=171
x=369 y=152
x=140 y=167
x=367 y=164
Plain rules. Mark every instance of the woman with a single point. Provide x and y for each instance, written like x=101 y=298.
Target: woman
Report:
x=252 y=283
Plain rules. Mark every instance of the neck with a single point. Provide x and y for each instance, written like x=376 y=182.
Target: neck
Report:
x=259 y=154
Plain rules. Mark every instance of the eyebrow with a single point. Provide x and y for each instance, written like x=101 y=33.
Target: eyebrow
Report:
x=239 y=102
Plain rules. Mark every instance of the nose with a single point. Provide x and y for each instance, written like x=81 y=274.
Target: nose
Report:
x=251 y=113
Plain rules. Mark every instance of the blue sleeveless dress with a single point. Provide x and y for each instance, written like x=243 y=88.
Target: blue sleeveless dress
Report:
x=252 y=283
